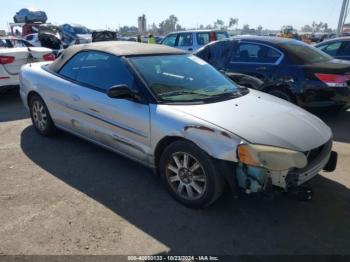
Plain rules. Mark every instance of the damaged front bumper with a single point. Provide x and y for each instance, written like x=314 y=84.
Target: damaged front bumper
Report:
x=256 y=179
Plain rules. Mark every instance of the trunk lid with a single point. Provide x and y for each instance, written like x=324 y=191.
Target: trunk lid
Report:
x=22 y=57
x=334 y=66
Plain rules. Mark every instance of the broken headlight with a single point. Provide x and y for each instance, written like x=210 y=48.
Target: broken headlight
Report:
x=271 y=158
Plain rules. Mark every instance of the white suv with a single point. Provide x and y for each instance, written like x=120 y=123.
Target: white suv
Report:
x=194 y=39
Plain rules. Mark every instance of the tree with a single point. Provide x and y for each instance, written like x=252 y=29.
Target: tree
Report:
x=306 y=28
x=169 y=25
x=233 y=22
x=246 y=29
x=154 y=29
x=219 y=24
x=259 y=29
x=128 y=30
x=179 y=28
x=317 y=27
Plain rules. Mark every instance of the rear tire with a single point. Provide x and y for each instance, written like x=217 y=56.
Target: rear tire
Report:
x=40 y=116
x=189 y=175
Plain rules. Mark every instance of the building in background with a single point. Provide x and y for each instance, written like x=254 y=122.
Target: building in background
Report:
x=142 y=24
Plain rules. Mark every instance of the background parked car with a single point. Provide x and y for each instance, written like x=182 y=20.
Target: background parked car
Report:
x=104 y=35
x=73 y=34
x=30 y=15
x=338 y=47
x=12 y=59
x=47 y=36
x=290 y=69
x=193 y=39
x=13 y=42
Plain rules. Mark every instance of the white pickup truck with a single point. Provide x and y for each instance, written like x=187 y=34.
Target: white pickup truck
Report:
x=12 y=59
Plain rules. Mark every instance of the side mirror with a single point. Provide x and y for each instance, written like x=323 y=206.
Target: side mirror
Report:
x=122 y=92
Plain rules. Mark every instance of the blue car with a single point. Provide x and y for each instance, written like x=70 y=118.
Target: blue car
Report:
x=338 y=48
x=30 y=15
x=73 y=34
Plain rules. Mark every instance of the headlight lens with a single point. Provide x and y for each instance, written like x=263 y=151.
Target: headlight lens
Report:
x=272 y=158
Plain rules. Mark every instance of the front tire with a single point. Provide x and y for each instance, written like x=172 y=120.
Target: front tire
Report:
x=40 y=116
x=189 y=175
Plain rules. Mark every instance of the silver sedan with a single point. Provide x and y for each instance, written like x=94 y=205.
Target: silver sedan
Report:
x=175 y=113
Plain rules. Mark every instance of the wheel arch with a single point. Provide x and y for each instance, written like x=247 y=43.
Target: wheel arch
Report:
x=30 y=95
x=161 y=145
x=225 y=168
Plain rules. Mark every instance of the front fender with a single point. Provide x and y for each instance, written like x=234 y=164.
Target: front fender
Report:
x=216 y=142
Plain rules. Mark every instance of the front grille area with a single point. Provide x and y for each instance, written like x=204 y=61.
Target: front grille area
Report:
x=317 y=158
x=314 y=153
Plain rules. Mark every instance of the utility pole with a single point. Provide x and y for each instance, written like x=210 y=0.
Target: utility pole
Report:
x=343 y=12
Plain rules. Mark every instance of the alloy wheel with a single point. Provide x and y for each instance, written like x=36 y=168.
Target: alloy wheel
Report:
x=186 y=176
x=39 y=115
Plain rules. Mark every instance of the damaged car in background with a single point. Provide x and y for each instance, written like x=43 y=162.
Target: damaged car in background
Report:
x=47 y=36
x=177 y=114
x=289 y=69
x=74 y=34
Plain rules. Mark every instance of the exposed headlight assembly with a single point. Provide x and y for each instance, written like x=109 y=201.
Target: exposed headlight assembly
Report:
x=271 y=158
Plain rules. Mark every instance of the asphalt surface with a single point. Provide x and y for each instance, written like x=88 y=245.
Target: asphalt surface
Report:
x=63 y=195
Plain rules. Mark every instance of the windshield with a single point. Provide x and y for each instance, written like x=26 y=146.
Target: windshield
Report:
x=303 y=54
x=184 y=78
x=81 y=30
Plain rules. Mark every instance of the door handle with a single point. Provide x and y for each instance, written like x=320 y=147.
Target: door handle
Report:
x=262 y=68
x=190 y=49
x=75 y=97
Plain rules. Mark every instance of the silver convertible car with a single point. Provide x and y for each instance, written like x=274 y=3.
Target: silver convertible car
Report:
x=175 y=113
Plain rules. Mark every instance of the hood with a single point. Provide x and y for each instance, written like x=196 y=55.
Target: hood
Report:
x=263 y=119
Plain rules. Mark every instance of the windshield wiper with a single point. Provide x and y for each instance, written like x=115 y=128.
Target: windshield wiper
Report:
x=227 y=94
x=183 y=92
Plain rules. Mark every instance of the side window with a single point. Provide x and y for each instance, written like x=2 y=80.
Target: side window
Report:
x=71 y=68
x=30 y=37
x=220 y=51
x=185 y=40
x=170 y=40
x=221 y=35
x=203 y=38
x=331 y=49
x=344 y=49
x=103 y=71
x=255 y=53
x=18 y=43
x=3 y=43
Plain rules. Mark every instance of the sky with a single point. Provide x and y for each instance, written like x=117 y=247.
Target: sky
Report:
x=101 y=14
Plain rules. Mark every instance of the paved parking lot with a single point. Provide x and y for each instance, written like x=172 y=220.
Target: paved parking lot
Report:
x=66 y=196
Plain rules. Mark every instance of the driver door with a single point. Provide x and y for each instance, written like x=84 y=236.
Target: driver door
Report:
x=119 y=124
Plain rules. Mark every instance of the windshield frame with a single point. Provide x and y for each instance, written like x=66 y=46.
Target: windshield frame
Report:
x=241 y=90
